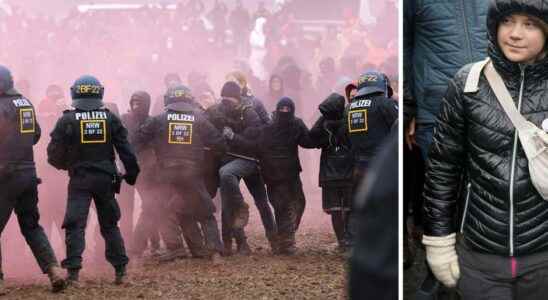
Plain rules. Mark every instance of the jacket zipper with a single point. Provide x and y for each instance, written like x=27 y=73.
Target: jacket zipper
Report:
x=465 y=207
x=513 y=170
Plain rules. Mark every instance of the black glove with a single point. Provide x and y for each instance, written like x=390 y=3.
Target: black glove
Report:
x=130 y=178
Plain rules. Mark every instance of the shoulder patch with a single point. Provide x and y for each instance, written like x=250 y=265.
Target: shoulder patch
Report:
x=21 y=102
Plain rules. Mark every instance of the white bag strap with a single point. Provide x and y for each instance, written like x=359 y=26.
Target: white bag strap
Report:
x=504 y=97
x=472 y=81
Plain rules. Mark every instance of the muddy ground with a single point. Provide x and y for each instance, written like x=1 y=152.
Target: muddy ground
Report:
x=316 y=272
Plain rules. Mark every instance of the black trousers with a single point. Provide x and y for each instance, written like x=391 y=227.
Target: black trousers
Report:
x=152 y=209
x=190 y=205
x=230 y=175
x=19 y=193
x=337 y=201
x=83 y=187
x=287 y=198
x=485 y=276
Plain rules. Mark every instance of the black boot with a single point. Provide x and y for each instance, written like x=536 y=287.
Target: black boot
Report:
x=274 y=243
x=227 y=247
x=243 y=248
x=120 y=276
x=57 y=282
x=287 y=244
x=73 y=278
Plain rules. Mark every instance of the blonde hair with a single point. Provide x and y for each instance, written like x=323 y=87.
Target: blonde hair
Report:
x=239 y=77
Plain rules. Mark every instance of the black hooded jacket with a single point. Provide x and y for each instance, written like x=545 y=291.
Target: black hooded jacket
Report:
x=278 y=145
x=336 y=161
x=132 y=120
x=503 y=214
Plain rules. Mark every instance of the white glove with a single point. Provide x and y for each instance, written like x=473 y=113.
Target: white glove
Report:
x=442 y=258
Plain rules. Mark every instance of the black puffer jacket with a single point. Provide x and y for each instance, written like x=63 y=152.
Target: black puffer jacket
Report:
x=503 y=213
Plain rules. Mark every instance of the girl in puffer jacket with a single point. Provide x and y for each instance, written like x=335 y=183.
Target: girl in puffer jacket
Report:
x=498 y=249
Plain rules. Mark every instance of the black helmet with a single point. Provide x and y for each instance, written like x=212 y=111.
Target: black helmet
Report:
x=6 y=80
x=87 y=93
x=178 y=93
x=374 y=82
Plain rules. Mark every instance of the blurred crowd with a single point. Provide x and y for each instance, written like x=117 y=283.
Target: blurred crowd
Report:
x=134 y=49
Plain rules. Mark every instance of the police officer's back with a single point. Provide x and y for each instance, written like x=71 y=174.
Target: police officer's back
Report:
x=18 y=179
x=178 y=137
x=83 y=142
x=370 y=118
x=179 y=134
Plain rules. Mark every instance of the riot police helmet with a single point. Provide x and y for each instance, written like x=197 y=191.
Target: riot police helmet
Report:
x=87 y=93
x=374 y=82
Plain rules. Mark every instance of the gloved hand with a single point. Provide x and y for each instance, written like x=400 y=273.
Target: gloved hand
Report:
x=130 y=178
x=228 y=133
x=442 y=258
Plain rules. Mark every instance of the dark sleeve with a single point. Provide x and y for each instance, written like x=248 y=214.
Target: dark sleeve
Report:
x=58 y=151
x=4 y=120
x=409 y=102
x=125 y=119
x=252 y=128
x=122 y=146
x=37 y=131
x=444 y=165
x=250 y=140
x=145 y=134
x=214 y=117
x=261 y=111
x=321 y=133
x=210 y=136
x=317 y=131
x=343 y=131
x=251 y=118
x=389 y=110
x=304 y=140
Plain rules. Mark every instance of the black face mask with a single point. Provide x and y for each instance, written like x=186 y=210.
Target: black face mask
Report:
x=284 y=117
x=285 y=110
x=229 y=104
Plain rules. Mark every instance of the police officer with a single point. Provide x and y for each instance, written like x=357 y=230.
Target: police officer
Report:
x=18 y=181
x=371 y=116
x=83 y=143
x=178 y=137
